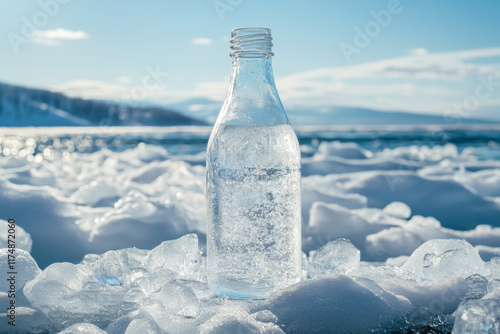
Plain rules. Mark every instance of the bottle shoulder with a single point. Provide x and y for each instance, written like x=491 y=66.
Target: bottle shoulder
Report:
x=252 y=112
x=253 y=145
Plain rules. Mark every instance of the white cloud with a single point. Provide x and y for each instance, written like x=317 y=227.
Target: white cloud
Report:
x=124 y=79
x=201 y=41
x=418 y=52
x=422 y=82
x=54 y=37
x=443 y=66
x=92 y=89
x=429 y=82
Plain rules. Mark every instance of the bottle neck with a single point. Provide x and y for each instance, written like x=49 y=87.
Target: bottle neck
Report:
x=252 y=78
x=252 y=97
x=252 y=73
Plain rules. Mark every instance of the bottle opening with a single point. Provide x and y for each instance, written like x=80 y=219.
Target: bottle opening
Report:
x=251 y=42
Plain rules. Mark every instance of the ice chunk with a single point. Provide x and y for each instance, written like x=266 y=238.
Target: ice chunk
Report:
x=119 y=326
x=178 y=299
x=143 y=326
x=121 y=267
x=478 y=287
x=440 y=258
x=201 y=289
x=89 y=258
x=50 y=289
x=83 y=328
x=493 y=289
x=66 y=294
x=181 y=256
x=398 y=209
x=173 y=308
x=495 y=268
x=478 y=316
x=25 y=267
x=494 y=283
x=23 y=238
x=336 y=257
x=238 y=321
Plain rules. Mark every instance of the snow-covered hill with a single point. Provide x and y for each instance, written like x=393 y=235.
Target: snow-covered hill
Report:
x=21 y=106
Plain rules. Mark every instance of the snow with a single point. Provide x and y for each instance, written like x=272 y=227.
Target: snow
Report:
x=398 y=210
x=306 y=308
x=394 y=239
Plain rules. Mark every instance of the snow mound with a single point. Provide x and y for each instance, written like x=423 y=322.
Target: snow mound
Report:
x=307 y=307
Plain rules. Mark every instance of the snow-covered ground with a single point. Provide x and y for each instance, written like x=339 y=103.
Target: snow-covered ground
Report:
x=396 y=237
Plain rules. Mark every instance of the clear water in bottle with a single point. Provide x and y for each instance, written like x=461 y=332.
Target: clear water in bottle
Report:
x=253 y=180
x=254 y=236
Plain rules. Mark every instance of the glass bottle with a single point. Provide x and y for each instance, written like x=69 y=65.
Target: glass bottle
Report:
x=253 y=180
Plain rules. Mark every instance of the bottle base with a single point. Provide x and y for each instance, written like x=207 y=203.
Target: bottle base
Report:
x=240 y=295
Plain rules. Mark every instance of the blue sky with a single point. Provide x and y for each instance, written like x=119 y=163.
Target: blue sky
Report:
x=420 y=56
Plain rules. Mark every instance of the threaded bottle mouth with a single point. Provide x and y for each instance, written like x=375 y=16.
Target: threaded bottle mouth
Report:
x=251 y=42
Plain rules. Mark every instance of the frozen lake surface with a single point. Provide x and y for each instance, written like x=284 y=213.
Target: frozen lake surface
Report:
x=420 y=207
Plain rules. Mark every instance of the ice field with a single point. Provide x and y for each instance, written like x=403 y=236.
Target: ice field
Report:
x=400 y=233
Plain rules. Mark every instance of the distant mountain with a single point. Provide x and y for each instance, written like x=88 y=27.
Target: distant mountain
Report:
x=21 y=106
x=207 y=110
x=363 y=116
x=488 y=112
